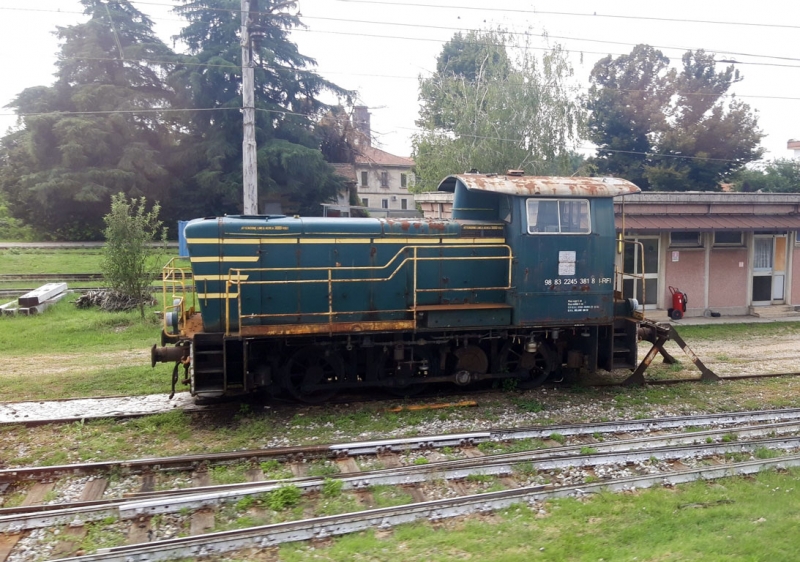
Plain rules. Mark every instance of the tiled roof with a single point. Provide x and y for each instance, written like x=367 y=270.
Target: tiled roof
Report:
x=375 y=156
x=347 y=171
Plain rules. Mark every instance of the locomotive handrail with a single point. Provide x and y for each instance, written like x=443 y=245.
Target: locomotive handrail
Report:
x=174 y=276
x=620 y=274
x=239 y=276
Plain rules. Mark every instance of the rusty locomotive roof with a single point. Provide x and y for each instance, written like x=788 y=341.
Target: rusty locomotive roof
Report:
x=541 y=185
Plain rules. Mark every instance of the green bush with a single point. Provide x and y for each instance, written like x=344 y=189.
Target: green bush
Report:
x=128 y=261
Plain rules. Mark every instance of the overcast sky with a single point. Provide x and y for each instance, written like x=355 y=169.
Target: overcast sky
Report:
x=380 y=47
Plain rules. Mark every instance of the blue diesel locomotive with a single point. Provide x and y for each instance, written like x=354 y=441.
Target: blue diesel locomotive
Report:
x=519 y=284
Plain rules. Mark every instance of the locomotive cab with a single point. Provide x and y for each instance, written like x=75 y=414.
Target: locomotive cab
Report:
x=562 y=235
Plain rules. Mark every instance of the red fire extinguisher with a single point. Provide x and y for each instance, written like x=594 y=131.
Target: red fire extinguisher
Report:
x=679 y=300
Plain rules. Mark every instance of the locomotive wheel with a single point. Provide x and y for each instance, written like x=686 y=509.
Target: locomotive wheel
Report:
x=312 y=366
x=539 y=365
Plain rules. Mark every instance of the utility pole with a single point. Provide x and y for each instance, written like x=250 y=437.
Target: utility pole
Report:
x=249 y=169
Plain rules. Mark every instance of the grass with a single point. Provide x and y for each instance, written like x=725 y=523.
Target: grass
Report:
x=737 y=519
x=67 y=352
x=52 y=260
x=738 y=331
x=64 y=328
x=56 y=260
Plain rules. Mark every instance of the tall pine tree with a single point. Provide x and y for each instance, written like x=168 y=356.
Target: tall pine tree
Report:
x=291 y=167
x=94 y=132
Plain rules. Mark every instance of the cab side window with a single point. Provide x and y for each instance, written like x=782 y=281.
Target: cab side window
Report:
x=558 y=216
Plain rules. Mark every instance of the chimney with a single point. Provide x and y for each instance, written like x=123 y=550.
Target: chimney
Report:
x=361 y=123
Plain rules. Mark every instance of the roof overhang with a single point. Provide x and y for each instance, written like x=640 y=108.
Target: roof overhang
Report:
x=543 y=186
x=641 y=223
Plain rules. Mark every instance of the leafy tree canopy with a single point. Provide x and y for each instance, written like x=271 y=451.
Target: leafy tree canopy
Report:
x=61 y=166
x=777 y=176
x=484 y=109
x=669 y=129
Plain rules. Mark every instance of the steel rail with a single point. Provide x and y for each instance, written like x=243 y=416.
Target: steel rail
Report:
x=400 y=445
x=642 y=443
x=443 y=470
x=323 y=527
x=18 y=519
x=55 y=276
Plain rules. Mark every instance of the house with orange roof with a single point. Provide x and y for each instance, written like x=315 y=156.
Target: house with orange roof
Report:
x=383 y=179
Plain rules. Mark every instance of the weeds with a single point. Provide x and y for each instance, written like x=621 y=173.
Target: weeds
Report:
x=332 y=488
x=480 y=478
x=284 y=497
x=766 y=453
x=531 y=406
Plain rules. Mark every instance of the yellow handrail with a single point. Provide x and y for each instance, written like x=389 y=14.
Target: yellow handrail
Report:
x=173 y=287
x=240 y=276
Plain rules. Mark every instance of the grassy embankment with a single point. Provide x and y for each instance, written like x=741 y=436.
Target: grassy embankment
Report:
x=67 y=352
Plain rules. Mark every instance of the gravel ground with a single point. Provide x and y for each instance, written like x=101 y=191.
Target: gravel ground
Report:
x=88 y=408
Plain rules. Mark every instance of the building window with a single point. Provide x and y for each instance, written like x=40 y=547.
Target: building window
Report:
x=384 y=179
x=403 y=181
x=553 y=216
x=729 y=238
x=363 y=179
x=384 y=203
x=404 y=204
x=687 y=239
x=365 y=202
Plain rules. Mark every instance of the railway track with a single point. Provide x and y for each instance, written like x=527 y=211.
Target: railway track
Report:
x=147 y=503
x=53 y=277
x=84 y=281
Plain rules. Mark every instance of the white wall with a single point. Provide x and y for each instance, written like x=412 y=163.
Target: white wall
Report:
x=394 y=194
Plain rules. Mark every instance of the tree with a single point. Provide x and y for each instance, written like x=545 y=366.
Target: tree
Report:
x=11 y=228
x=777 y=176
x=92 y=133
x=290 y=164
x=666 y=129
x=485 y=110
x=130 y=260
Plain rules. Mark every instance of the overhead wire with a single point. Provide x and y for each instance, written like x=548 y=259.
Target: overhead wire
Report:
x=456 y=29
x=163 y=110
x=289 y=112
x=514 y=10
x=574 y=14
x=398 y=77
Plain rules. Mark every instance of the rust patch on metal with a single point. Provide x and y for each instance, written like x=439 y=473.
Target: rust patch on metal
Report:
x=437 y=226
x=404 y=226
x=332 y=328
x=193 y=325
x=417 y=407
x=549 y=186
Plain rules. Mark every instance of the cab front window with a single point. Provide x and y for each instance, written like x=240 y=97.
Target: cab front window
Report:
x=558 y=216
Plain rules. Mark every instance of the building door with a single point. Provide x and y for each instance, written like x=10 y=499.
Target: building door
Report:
x=769 y=269
x=635 y=264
